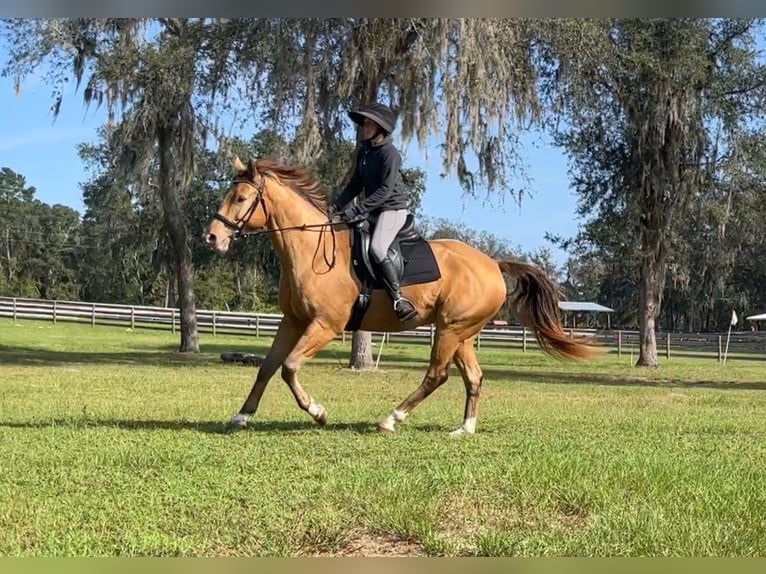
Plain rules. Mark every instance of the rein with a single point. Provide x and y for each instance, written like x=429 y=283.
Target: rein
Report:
x=239 y=224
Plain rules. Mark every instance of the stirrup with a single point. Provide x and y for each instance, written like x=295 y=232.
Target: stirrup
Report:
x=403 y=312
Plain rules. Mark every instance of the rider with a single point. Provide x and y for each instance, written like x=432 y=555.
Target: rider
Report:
x=377 y=173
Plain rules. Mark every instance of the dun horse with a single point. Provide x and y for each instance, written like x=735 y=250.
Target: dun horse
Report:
x=452 y=285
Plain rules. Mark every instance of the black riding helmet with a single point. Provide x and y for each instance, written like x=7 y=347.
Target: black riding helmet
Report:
x=380 y=114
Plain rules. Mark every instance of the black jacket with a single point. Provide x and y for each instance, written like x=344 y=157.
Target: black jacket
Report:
x=377 y=173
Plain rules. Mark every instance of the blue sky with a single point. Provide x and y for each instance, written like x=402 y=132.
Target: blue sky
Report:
x=44 y=151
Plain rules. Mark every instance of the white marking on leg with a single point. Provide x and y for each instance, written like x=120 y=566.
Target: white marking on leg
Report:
x=390 y=421
x=315 y=409
x=240 y=419
x=469 y=427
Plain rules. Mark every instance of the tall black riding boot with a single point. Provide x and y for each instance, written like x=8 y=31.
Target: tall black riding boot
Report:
x=404 y=309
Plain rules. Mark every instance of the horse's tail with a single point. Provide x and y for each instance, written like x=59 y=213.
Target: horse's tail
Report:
x=535 y=303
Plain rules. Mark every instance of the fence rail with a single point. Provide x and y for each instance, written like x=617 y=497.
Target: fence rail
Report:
x=741 y=344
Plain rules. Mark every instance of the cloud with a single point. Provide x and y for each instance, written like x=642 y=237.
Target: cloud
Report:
x=43 y=136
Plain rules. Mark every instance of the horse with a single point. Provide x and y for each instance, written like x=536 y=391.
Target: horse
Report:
x=322 y=278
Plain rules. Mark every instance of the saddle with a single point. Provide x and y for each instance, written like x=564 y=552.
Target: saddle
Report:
x=411 y=254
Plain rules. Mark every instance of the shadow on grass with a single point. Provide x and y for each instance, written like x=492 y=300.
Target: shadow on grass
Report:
x=164 y=355
x=209 y=357
x=207 y=427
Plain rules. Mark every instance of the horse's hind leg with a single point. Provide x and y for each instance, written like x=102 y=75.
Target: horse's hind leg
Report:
x=445 y=344
x=313 y=340
x=468 y=364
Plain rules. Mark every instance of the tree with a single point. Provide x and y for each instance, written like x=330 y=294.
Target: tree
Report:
x=650 y=105
x=162 y=78
x=39 y=243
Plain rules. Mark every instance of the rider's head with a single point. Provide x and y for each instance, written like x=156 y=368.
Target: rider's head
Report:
x=374 y=119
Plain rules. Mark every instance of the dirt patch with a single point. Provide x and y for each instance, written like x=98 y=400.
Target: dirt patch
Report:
x=370 y=544
x=463 y=517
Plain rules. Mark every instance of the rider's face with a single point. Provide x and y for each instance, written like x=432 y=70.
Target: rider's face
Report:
x=369 y=128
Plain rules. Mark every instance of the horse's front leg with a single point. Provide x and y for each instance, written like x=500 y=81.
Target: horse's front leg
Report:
x=314 y=339
x=288 y=334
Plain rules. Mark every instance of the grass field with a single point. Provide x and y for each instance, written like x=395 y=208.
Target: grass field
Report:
x=112 y=444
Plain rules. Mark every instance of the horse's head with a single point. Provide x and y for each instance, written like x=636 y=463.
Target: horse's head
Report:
x=242 y=210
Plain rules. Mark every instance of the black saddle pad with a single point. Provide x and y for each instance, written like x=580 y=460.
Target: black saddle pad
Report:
x=420 y=264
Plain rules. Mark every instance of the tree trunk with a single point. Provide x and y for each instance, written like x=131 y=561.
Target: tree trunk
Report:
x=174 y=223
x=8 y=254
x=170 y=293
x=361 y=351
x=650 y=294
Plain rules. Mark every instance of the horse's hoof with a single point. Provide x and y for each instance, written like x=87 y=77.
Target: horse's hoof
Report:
x=385 y=430
x=459 y=433
x=318 y=413
x=237 y=423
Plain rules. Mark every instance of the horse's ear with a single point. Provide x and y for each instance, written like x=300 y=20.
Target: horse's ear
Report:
x=253 y=168
x=238 y=165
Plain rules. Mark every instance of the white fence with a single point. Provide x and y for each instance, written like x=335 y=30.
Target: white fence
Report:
x=216 y=322
x=623 y=342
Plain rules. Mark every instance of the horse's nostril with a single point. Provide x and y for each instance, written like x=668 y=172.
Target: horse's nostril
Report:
x=211 y=239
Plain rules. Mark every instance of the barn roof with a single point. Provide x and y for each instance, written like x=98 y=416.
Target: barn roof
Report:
x=584 y=306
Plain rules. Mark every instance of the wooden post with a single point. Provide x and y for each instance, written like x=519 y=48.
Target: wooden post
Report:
x=720 y=348
x=132 y=318
x=478 y=341
x=523 y=339
x=344 y=337
x=214 y=324
x=667 y=345
x=173 y=320
x=93 y=315
x=619 y=343
x=54 y=312
x=14 y=309
x=433 y=334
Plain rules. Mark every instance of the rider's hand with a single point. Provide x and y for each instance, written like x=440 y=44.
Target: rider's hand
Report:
x=352 y=214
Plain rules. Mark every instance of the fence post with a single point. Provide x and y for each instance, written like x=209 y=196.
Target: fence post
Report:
x=132 y=318
x=257 y=327
x=344 y=337
x=173 y=320
x=54 y=312
x=667 y=345
x=619 y=343
x=93 y=315
x=213 y=323
x=720 y=348
x=478 y=341
x=523 y=339
x=14 y=309
x=433 y=332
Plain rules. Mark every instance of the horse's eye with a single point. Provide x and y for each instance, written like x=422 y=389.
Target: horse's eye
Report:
x=241 y=198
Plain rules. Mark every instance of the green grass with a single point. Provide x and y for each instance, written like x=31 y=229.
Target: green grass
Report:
x=112 y=444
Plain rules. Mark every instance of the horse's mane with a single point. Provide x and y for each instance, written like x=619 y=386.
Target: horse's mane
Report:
x=297 y=178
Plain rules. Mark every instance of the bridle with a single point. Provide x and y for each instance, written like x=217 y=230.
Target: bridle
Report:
x=237 y=225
